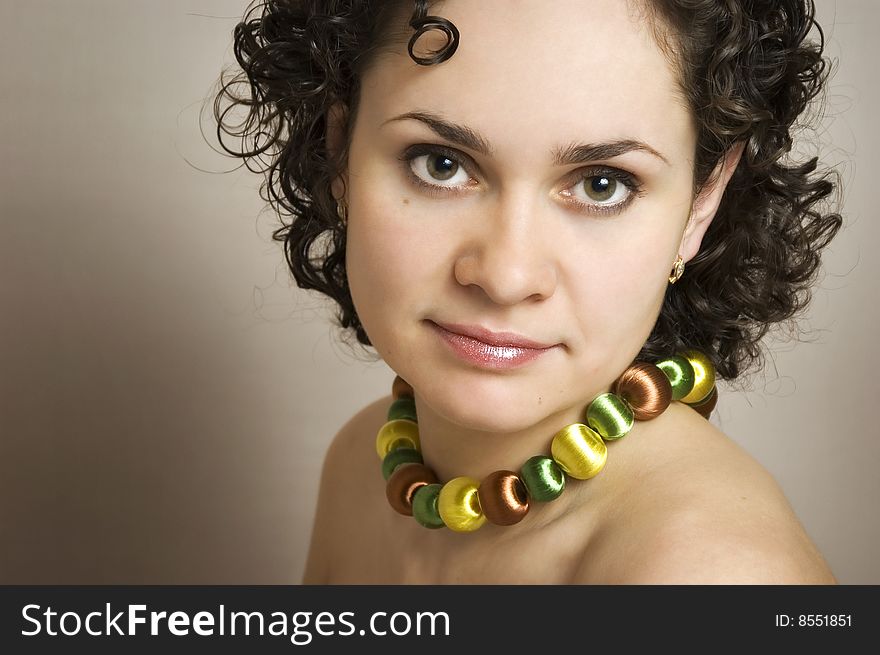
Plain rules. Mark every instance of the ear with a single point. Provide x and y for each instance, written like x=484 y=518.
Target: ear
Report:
x=706 y=204
x=337 y=117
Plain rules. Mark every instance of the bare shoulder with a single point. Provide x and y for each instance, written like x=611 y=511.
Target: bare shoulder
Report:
x=703 y=511
x=342 y=478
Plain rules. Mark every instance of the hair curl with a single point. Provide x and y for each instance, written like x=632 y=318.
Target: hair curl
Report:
x=747 y=72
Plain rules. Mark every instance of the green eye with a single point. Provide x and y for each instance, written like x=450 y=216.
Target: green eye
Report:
x=600 y=187
x=441 y=167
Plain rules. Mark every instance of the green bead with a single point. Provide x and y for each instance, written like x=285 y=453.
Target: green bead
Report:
x=543 y=479
x=404 y=407
x=610 y=416
x=397 y=457
x=424 y=506
x=680 y=373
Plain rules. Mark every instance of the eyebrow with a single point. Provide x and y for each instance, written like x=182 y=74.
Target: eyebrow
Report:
x=562 y=156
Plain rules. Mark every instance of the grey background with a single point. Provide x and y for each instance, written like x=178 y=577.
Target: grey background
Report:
x=166 y=393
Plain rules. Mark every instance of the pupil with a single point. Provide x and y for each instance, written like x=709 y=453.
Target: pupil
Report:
x=601 y=187
x=444 y=170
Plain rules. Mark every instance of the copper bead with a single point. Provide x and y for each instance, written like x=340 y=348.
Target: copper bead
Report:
x=646 y=389
x=401 y=388
x=404 y=482
x=705 y=407
x=503 y=498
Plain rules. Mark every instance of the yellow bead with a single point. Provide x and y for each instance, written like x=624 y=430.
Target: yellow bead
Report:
x=399 y=433
x=459 y=505
x=579 y=451
x=704 y=376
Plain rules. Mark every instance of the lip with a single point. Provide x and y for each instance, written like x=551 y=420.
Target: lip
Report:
x=487 y=349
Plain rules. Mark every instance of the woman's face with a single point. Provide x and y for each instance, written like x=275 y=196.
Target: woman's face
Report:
x=558 y=218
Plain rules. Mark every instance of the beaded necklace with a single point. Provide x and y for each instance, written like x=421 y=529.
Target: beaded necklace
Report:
x=464 y=504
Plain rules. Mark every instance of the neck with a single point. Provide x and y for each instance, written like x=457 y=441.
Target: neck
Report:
x=452 y=450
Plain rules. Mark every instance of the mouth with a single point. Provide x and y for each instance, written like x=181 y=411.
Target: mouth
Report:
x=483 y=348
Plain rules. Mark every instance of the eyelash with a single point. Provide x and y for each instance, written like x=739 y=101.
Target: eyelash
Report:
x=631 y=183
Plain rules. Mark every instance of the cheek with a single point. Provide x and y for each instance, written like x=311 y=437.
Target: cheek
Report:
x=385 y=262
x=615 y=301
x=639 y=288
x=642 y=256
x=618 y=296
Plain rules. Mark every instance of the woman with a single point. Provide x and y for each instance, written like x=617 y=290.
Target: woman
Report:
x=512 y=203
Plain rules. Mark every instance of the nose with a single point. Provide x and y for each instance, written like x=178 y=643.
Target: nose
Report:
x=510 y=258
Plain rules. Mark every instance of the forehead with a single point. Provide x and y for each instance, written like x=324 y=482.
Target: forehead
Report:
x=546 y=72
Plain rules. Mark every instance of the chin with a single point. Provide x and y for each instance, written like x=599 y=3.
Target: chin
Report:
x=492 y=407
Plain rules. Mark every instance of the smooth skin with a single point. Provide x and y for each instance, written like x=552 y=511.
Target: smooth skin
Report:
x=511 y=240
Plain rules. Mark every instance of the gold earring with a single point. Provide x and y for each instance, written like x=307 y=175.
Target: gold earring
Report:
x=677 y=270
x=342 y=212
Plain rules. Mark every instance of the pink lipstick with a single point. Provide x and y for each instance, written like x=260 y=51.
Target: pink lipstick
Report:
x=493 y=350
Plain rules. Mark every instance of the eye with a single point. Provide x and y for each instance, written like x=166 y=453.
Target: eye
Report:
x=435 y=168
x=604 y=190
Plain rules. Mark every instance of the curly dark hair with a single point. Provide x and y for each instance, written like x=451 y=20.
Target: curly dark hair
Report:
x=745 y=67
